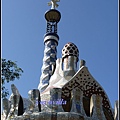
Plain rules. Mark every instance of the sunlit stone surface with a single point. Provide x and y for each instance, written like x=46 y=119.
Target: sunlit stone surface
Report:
x=65 y=92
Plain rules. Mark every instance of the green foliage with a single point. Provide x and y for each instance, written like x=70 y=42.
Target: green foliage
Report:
x=10 y=72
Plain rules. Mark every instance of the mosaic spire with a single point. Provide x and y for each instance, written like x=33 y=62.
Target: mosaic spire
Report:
x=51 y=39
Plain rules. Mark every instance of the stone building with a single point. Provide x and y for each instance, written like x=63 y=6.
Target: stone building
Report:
x=65 y=92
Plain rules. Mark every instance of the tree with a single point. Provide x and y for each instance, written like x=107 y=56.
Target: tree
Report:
x=10 y=72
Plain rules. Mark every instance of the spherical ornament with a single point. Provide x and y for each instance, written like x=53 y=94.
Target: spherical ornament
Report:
x=70 y=49
x=53 y=15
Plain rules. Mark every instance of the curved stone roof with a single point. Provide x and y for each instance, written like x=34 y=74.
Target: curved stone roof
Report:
x=85 y=82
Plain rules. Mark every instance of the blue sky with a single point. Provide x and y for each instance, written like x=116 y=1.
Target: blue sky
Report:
x=90 y=24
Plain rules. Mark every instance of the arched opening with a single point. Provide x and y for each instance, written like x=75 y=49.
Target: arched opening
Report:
x=86 y=105
x=68 y=105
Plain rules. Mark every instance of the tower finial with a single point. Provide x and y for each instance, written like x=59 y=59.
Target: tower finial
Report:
x=53 y=3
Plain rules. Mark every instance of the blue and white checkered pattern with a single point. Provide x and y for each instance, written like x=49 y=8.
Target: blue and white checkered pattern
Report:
x=49 y=59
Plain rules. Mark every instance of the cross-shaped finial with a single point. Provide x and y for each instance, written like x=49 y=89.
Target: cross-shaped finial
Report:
x=53 y=3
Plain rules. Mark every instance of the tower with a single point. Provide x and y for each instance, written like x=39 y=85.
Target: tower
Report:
x=65 y=92
x=70 y=57
x=51 y=39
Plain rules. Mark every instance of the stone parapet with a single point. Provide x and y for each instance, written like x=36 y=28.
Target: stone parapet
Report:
x=52 y=116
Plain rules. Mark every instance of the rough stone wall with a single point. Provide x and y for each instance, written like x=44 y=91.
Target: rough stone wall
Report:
x=74 y=106
x=56 y=112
